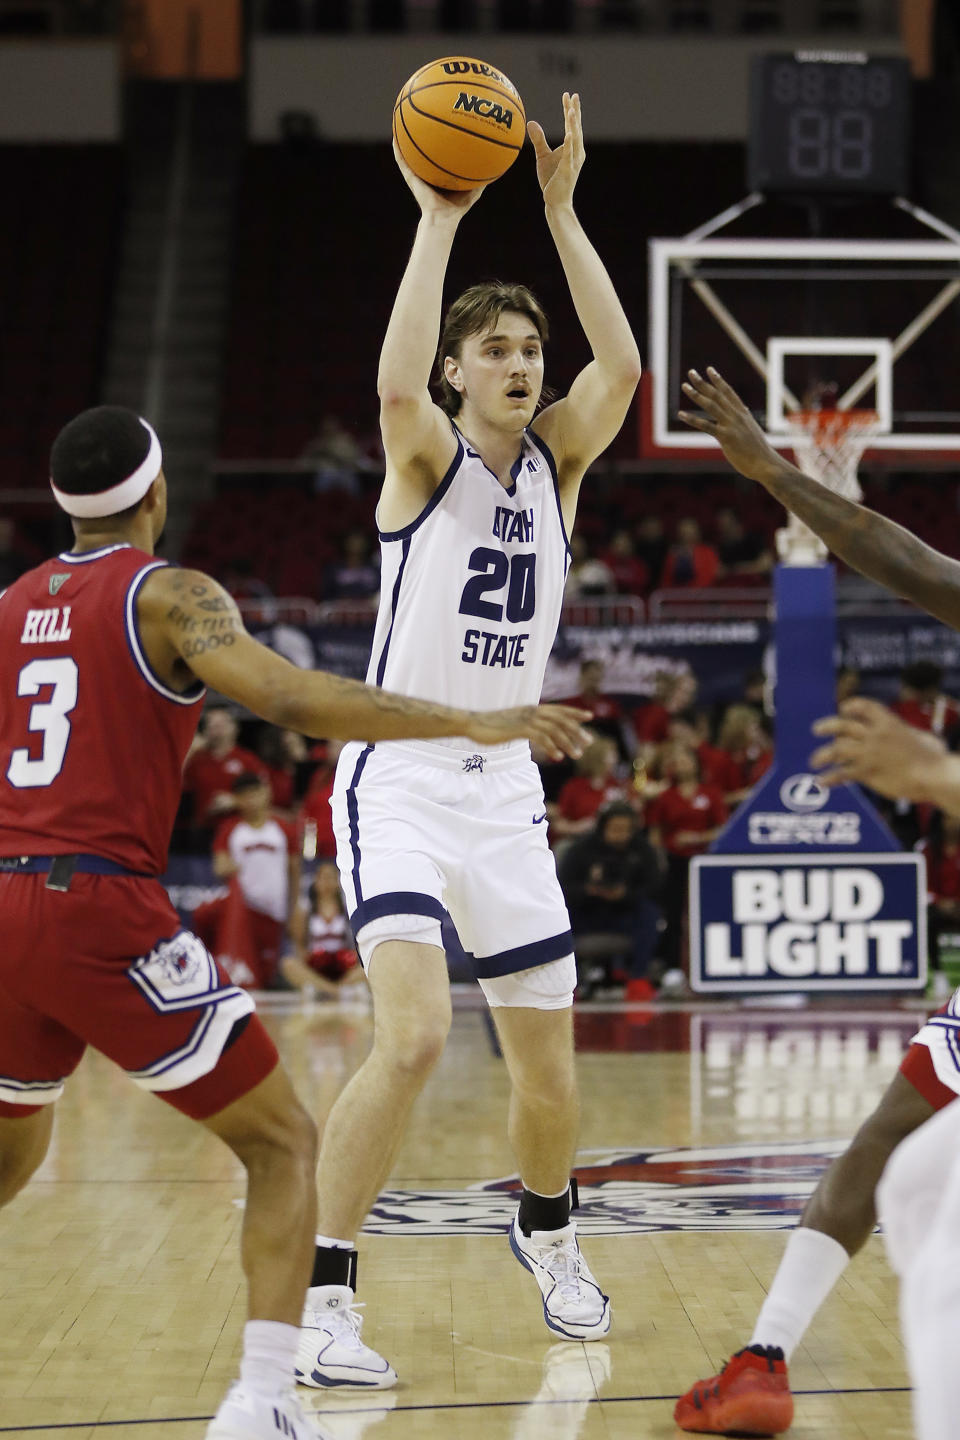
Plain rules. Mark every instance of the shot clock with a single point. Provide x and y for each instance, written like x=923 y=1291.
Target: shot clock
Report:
x=824 y=121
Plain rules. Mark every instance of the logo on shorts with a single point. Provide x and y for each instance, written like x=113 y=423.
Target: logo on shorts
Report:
x=539 y=819
x=474 y=762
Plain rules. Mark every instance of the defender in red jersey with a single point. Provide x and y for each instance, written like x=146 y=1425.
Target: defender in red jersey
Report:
x=104 y=654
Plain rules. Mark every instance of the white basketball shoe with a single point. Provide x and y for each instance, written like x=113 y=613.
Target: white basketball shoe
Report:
x=574 y=1306
x=247 y=1415
x=331 y=1352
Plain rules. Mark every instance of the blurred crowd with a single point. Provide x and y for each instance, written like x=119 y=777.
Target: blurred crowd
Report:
x=652 y=790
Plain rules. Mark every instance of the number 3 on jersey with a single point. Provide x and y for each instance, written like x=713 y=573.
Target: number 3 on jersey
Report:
x=47 y=717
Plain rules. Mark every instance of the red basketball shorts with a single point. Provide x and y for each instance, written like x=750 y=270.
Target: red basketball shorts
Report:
x=108 y=964
x=932 y=1062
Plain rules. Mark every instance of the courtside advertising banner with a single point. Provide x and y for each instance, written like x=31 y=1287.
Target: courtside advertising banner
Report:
x=827 y=922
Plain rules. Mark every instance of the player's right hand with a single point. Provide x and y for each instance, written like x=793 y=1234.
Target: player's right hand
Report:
x=557 y=729
x=723 y=415
x=451 y=203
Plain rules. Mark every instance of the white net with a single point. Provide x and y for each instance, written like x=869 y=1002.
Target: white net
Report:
x=828 y=445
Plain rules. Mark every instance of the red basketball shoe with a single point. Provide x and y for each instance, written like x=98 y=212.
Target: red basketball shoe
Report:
x=750 y=1396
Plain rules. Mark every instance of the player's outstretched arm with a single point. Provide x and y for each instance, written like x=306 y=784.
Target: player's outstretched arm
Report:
x=191 y=626
x=582 y=425
x=872 y=746
x=879 y=548
x=417 y=437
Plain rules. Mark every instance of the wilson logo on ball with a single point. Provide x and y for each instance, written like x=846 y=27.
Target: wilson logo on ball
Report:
x=489 y=109
x=475 y=67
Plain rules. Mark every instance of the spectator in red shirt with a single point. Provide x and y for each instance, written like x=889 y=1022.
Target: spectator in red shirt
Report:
x=595 y=784
x=316 y=817
x=683 y=821
x=628 y=570
x=922 y=702
x=742 y=754
x=690 y=563
x=214 y=762
x=259 y=854
x=673 y=691
x=607 y=717
x=286 y=756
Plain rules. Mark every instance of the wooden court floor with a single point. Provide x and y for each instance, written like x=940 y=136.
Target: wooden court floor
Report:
x=121 y=1296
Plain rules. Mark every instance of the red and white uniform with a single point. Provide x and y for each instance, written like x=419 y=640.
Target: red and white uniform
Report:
x=91 y=747
x=261 y=854
x=330 y=944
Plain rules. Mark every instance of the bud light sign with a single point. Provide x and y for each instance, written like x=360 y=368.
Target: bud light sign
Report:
x=798 y=922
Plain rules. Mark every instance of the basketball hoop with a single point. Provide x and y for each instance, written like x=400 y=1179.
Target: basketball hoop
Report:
x=828 y=445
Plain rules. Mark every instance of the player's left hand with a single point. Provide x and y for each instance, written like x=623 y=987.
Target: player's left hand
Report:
x=725 y=417
x=557 y=170
x=557 y=729
x=872 y=746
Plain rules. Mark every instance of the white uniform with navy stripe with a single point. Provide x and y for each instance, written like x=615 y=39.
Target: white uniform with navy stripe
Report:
x=469 y=608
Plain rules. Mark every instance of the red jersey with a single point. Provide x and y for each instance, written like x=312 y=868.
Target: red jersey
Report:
x=673 y=812
x=92 y=742
x=937 y=715
x=580 y=798
x=207 y=776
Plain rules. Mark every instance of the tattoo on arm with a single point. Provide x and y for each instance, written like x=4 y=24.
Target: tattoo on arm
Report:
x=204 y=619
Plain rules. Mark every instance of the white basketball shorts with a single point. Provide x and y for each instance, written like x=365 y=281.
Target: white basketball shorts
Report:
x=426 y=827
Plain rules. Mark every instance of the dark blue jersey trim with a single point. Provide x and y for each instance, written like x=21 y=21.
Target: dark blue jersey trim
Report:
x=193 y=693
x=548 y=456
x=395 y=902
x=432 y=503
x=524 y=957
x=394 y=601
x=354 y=818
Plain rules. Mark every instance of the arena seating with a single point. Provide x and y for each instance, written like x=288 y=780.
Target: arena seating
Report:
x=58 y=249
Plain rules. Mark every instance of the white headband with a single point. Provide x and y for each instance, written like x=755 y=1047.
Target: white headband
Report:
x=118 y=497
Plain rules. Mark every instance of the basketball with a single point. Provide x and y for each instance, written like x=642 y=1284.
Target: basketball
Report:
x=459 y=123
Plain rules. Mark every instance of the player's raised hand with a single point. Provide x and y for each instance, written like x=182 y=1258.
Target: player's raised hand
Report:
x=872 y=746
x=557 y=170
x=724 y=416
x=451 y=203
x=557 y=729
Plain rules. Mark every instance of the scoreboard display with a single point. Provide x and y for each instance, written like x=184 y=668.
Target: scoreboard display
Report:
x=829 y=122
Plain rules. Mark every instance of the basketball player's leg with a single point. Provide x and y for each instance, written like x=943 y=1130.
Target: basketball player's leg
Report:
x=838 y=1219
x=544 y=1115
x=275 y=1140
x=533 y=1014
x=24 y=1139
x=411 y=1019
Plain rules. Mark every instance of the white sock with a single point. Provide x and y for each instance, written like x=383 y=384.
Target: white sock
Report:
x=269 y=1351
x=326 y=1243
x=812 y=1264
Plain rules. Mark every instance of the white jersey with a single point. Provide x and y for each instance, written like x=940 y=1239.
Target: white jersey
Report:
x=471 y=590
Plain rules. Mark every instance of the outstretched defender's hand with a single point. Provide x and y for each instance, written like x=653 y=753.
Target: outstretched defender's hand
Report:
x=871 y=745
x=557 y=170
x=452 y=204
x=728 y=420
x=557 y=729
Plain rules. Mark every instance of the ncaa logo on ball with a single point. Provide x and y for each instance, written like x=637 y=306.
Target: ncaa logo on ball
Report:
x=803 y=794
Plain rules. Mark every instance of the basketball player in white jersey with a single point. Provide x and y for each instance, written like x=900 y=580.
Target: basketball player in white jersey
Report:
x=477 y=507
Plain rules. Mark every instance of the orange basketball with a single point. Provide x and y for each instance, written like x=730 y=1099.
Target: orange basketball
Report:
x=459 y=123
